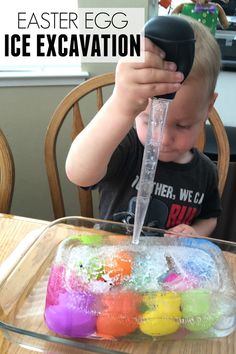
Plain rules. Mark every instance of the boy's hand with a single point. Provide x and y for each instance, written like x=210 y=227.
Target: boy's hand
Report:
x=181 y=230
x=136 y=82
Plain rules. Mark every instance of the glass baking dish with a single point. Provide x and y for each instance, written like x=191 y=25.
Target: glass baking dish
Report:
x=24 y=291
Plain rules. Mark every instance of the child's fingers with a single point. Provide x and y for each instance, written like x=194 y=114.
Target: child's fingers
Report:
x=150 y=90
x=149 y=46
x=182 y=230
x=150 y=59
x=153 y=60
x=157 y=76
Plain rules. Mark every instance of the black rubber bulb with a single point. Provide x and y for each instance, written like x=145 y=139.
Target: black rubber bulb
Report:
x=175 y=36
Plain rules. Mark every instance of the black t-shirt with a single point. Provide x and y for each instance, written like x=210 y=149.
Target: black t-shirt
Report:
x=181 y=192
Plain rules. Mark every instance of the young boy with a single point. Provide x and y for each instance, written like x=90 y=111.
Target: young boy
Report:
x=108 y=152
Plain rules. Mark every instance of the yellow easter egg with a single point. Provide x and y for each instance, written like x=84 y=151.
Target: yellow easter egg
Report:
x=153 y=324
x=162 y=315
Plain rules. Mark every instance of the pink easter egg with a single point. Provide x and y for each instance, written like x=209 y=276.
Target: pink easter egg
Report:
x=56 y=284
x=177 y=282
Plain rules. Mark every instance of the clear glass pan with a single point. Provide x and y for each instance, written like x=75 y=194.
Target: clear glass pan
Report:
x=23 y=293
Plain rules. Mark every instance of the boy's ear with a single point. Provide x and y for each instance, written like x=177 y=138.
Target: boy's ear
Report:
x=212 y=101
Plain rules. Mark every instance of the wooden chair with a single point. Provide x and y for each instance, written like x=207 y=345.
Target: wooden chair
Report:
x=222 y=143
x=7 y=175
x=71 y=102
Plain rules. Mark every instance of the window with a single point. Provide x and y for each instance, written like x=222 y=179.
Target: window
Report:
x=25 y=61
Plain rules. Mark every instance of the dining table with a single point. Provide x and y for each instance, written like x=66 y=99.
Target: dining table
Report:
x=14 y=231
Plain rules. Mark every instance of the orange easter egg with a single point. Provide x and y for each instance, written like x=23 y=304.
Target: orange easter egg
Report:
x=120 y=314
x=119 y=266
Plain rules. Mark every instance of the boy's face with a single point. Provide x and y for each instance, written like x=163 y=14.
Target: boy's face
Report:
x=186 y=116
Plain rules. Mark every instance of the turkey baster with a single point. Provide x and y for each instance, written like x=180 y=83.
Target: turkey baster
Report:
x=175 y=36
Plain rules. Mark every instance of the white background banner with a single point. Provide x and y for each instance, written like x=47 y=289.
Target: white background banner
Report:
x=41 y=32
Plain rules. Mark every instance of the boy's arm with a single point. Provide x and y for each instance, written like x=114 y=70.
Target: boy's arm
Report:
x=91 y=151
x=205 y=227
x=201 y=227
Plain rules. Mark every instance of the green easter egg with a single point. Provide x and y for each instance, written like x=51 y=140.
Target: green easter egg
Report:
x=92 y=268
x=88 y=240
x=197 y=311
x=95 y=268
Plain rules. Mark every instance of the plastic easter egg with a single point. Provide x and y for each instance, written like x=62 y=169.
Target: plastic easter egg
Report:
x=200 y=243
x=73 y=315
x=95 y=268
x=204 y=268
x=119 y=314
x=119 y=266
x=153 y=324
x=55 y=284
x=179 y=283
x=73 y=282
x=197 y=310
x=92 y=268
x=89 y=240
x=162 y=315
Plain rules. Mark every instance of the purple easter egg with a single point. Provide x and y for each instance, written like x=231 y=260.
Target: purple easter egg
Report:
x=74 y=314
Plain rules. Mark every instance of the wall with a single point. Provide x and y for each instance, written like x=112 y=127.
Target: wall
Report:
x=25 y=113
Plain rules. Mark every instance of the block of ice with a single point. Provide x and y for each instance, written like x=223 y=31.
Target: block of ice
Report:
x=164 y=287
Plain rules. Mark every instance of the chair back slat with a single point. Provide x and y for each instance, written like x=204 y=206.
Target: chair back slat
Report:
x=7 y=175
x=86 y=202
x=202 y=140
x=78 y=125
x=99 y=98
x=223 y=149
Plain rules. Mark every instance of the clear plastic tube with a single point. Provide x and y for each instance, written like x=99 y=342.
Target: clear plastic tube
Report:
x=156 y=123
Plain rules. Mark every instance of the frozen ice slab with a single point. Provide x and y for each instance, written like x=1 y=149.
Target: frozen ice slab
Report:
x=164 y=287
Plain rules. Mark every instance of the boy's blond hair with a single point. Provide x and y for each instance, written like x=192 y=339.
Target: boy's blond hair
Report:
x=207 y=60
